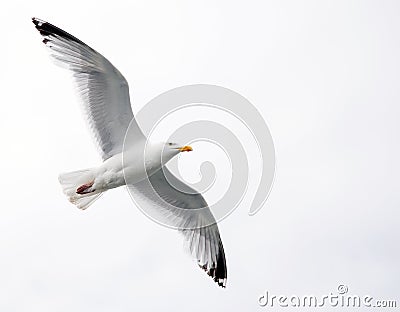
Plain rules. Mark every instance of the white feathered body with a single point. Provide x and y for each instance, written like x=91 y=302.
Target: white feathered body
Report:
x=131 y=166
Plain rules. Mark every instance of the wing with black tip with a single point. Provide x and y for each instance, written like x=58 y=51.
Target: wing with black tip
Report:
x=103 y=89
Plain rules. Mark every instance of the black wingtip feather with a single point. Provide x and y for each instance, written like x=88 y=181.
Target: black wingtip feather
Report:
x=46 y=29
x=219 y=273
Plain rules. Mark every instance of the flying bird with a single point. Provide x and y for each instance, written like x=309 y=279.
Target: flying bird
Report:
x=107 y=109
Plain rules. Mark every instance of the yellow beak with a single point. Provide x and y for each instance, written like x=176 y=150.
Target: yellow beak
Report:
x=186 y=148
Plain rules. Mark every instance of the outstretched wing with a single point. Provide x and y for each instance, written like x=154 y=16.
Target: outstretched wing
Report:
x=170 y=201
x=102 y=87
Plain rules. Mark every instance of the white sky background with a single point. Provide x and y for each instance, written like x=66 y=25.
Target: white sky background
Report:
x=324 y=75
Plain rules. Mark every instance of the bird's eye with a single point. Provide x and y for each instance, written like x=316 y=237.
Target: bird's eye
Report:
x=170 y=144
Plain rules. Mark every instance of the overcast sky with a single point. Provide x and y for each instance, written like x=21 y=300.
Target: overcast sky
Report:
x=323 y=74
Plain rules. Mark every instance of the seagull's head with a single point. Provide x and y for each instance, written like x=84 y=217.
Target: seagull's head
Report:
x=171 y=149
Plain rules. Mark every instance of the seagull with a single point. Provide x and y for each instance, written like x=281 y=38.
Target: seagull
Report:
x=107 y=109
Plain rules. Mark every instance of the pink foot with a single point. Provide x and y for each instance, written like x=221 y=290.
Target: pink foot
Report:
x=83 y=189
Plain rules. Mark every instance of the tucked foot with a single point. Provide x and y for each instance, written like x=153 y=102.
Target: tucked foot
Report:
x=85 y=188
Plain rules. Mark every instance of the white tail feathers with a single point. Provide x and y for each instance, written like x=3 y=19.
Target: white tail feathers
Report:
x=70 y=181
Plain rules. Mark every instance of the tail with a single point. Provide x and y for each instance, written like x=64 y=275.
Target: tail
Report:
x=71 y=182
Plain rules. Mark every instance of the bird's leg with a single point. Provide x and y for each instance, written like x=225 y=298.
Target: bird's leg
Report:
x=85 y=188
